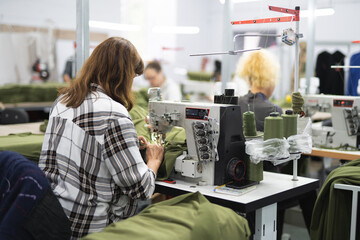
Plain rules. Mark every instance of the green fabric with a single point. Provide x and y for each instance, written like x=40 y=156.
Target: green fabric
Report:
x=44 y=125
x=138 y=115
x=332 y=211
x=27 y=144
x=15 y=93
x=189 y=216
x=175 y=145
x=199 y=76
x=141 y=98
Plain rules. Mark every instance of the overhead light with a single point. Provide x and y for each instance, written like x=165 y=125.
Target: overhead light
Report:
x=114 y=26
x=244 y=1
x=176 y=29
x=180 y=71
x=318 y=12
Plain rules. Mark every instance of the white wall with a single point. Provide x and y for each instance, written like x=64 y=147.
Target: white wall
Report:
x=207 y=14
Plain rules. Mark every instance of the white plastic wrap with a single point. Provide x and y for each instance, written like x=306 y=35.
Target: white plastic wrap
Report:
x=301 y=143
x=270 y=150
x=283 y=150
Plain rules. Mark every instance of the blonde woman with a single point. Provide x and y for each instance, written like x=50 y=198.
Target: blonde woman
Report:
x=260 y=69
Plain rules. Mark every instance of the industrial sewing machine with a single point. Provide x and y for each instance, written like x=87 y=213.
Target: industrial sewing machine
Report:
x=344 y=132
x=215 y=141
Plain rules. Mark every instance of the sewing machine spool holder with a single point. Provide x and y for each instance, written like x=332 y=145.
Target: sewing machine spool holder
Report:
x=296 y=18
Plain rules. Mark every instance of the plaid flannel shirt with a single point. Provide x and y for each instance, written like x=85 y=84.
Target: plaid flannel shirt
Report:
x=91 y=157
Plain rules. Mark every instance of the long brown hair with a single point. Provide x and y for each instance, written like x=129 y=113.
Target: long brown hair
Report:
x=112 y=65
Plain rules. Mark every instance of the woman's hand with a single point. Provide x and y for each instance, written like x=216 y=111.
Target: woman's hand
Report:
x=154 y=153
x=143 y=142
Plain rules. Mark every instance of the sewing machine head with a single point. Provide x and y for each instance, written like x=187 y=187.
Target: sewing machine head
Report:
x=344 y=129
x=214 y=137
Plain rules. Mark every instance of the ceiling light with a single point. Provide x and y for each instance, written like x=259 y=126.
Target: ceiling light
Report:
x=114 y=26
x=176 y=29
x=244 y=1
x=318 y=12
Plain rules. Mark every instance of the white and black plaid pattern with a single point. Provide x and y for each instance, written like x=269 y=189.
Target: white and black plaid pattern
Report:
x=91 y=157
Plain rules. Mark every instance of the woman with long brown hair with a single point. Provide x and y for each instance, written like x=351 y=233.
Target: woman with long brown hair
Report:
x=91 y=152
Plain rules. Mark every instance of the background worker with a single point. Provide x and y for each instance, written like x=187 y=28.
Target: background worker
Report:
x=156 y=77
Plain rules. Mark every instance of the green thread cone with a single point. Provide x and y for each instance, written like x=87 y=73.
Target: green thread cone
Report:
x=297 y=102
x=249 y=124
x=273 y=126
x=290 y=123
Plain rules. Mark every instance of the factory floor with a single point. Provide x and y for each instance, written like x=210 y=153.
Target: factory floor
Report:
x=294 y=226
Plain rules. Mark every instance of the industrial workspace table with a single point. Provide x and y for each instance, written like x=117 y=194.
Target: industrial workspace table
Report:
x=346 y=155
x=33 y=127
x=263 y=200
x=25 y=138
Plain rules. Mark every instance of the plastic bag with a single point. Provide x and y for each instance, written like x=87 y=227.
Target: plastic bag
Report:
x=270 y=150
x=301 y=143
x=283 y=150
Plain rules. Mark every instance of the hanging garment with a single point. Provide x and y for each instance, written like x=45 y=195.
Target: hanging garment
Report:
x=354 y=76
x=331 y=79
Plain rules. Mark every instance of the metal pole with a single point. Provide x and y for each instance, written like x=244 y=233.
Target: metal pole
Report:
x=227 y=44
x=310 y=44
x=296 y=82
x=82 y=33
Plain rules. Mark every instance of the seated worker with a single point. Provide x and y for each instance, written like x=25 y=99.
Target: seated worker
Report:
x=68 y=74
x=260 y=69
x=156 y=77
x=90 y=152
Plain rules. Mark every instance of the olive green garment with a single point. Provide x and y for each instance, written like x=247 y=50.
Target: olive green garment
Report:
x=175 y=145
x=332 y=211
x=142 y=98
x=43 y=126
x=27 y=144
x=138 y=115
x=15 y=93
x=190 y=217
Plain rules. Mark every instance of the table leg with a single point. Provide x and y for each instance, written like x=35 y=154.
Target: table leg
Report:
x=265 y=222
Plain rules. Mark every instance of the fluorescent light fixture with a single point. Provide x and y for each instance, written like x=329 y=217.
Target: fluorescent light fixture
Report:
x=318 y=12
x=176 y=29
x=180 y=71
x=244 y=1
x=114 y=26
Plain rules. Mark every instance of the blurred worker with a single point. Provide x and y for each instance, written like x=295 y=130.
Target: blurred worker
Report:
x=156 y=77
x=90 y=152
x=260 y=69
x=68 y=74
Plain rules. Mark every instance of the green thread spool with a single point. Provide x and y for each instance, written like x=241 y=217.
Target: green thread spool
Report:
x=249 y=124
x=274 y=126
x=297 y=102
x=254 y=172
x=290 y=123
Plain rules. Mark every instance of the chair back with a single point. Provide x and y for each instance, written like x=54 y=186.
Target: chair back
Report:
x=13 y=115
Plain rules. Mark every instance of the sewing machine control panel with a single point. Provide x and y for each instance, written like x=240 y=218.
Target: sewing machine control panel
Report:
x=352 y=121
x=343 y=103
x=203 y=136
x=197 y=113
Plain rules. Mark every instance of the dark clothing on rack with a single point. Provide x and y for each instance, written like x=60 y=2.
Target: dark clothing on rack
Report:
x=260 y=105
x=354 y=76
x=331 y=79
